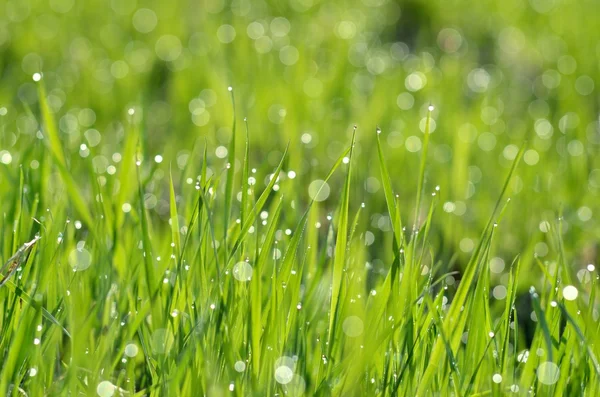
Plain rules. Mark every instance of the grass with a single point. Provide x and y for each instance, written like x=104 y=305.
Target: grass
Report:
x=370 y=208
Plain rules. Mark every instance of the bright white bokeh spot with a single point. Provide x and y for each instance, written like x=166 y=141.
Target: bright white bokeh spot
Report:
x=80 y=259
x=105 y=389
x=239 y=366
x=284 y=370
x=570 y=293
x=548 y=373
x=242 y=271
x=497 y=378
x=415 y=81
x=5 y=157
x=131 y=350
x=499 y=292
x=497 y=265
x=319 y=190
x=306 y=138
x=284 y=375
x=221 y=152
x=353 y=326
x=37 y=76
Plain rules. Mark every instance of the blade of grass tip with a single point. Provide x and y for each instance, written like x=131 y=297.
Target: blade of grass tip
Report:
x=421 y=180
x=354 y=224
x=339 y=260
x=437 y=352
x=16 y=260
x=229 y=183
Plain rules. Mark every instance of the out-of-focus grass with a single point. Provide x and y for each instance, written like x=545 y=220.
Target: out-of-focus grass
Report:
x=296 y=253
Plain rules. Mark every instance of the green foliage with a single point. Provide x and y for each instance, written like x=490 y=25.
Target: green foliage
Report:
x=452 y=252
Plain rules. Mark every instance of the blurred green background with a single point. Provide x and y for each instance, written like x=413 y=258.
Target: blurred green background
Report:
x=500 y=75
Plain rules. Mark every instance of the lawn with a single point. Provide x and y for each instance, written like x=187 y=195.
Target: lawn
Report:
x=299 y=197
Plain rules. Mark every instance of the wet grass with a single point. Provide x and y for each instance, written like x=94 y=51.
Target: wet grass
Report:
x=266 y=198
x=245 y=287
